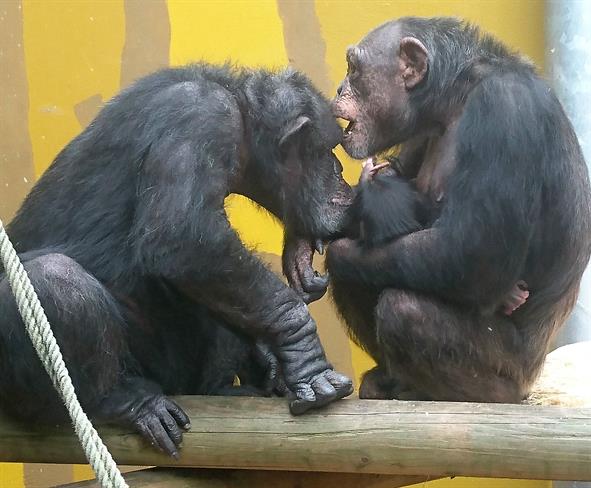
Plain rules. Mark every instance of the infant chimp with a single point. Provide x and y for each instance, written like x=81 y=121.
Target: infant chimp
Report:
x=386 y=206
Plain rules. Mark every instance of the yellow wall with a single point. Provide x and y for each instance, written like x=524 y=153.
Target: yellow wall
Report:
x=78 y=53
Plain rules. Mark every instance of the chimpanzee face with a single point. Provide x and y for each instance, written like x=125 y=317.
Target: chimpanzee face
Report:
x=374 y=96
x=315 y=195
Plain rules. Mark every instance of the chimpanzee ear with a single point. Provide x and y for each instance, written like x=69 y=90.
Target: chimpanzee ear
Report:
x=292 y=129
x=413 y=61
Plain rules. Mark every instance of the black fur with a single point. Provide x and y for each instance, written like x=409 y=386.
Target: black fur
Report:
x=147 y=287
x=516 y=207
x=386 y=207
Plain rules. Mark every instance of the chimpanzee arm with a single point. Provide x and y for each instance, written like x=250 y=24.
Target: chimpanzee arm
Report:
x=182 y=235
x=411 y=155
x=477 y=249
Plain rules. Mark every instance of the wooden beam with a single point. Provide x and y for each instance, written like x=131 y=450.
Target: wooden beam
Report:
x=233 y=478
x=356 y=436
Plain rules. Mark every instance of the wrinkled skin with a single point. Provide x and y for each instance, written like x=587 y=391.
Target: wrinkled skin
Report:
x=465 y=309
x=378 y=119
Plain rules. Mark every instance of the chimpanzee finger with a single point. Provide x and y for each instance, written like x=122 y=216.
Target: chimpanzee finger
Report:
x=313 y=281
x=264 y=356
x=163 y=441
x=310 y=279
x=316 y=395
x=312 y=297
x=281 y=388
x=313 y=284
x=293 y=279
x=172 y=429
x=341 y=383
x=325 y=392
x=178 y=414
x=147 y=434
x=304 y=399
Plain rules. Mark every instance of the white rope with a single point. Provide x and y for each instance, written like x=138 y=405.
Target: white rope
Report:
x=49 y=352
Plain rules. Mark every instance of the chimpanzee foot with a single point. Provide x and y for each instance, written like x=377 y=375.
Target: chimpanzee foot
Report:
x=161 y=421
x=515 y=298
x=377 y=385
x=322 y=389
x=266 y=358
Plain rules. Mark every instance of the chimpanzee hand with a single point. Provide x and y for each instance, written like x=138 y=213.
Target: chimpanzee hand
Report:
x=159 y=420
x=266 y=358
x=139 y=403
x=311 y=380
x=318 y=391
x=369 y=169
x=297 y=267
x=343 y=257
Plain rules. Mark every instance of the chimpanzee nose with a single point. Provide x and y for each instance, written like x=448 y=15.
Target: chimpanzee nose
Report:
x=339 y=89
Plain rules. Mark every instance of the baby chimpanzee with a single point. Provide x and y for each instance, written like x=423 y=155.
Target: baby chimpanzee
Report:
x=386 y=205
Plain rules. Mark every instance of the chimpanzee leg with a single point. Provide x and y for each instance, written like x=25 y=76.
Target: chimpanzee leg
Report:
x=435 y=350
x=356 y=304
x=184 y=348
x=91 y=333
x=85 y=322
x=377 y=384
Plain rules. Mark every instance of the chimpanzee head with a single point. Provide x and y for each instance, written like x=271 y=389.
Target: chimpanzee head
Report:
x=376 y=95
x=298 y=169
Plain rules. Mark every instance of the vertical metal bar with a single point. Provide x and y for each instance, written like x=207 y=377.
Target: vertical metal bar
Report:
x=568 y=61
x=568 y=56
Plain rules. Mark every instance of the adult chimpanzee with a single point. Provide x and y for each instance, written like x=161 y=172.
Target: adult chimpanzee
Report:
x=127 y=243
x=490 y=145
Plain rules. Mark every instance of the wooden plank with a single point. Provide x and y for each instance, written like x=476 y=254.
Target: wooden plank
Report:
x=356 y=436
x=222 y=478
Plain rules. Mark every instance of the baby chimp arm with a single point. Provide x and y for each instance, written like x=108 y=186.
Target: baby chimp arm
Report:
x=386 y=205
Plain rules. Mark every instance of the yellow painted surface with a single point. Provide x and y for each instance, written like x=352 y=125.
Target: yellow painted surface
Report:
x=73 y=53
x=11 y=475
x=248 y=32
x=81 y=472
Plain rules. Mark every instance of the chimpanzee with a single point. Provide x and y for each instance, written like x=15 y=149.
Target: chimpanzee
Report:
x=488 y=142
x=147 y=287
x=385 y=206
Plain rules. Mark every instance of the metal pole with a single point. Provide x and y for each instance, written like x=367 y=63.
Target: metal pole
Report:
x=568 y=62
